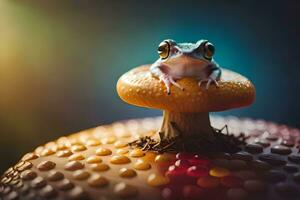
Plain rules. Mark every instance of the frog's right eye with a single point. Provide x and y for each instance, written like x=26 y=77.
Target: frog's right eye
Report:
x=209 y=50
x=163 y=49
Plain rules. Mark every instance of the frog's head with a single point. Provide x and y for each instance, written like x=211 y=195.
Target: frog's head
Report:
x=202 y=51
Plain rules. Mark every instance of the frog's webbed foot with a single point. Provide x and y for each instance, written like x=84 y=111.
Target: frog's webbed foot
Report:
x=208 y=82
x=168 y=81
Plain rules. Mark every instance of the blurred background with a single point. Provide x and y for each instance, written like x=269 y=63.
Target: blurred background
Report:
x=60 y=60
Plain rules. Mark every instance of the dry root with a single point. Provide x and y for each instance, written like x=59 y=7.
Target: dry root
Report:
x=223 y=142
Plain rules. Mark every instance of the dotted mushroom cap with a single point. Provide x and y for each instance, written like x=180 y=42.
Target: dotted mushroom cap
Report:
x=98 y=164
x=140 y=88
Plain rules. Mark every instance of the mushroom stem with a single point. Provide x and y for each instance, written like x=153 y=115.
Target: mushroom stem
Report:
x=185 y=125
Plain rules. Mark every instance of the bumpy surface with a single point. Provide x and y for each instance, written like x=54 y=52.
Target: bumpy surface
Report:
x=98 y=164
x=140 y=88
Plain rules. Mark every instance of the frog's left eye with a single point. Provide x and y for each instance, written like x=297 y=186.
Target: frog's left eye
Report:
x=209 y=50
x=163 y=49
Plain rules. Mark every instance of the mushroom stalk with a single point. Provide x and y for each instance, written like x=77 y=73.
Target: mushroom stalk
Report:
x=185 y=125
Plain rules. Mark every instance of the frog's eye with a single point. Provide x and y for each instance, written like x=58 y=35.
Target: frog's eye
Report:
x=163 y=49
x=209 y=50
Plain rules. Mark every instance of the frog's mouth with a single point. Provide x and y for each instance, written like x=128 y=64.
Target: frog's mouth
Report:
x=186 y=61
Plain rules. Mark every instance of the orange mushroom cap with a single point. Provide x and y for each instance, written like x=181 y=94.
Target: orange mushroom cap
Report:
x=140 y=88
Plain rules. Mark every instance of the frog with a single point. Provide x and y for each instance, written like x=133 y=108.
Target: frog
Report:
x=180 y=60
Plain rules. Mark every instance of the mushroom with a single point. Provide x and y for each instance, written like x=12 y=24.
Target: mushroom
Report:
x=185 y=112
x=98 y=164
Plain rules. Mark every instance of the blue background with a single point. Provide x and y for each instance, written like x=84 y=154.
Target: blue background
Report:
x=60 y=61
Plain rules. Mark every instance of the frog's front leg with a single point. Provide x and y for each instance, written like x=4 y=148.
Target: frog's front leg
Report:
x=161 y=71
x=212 y=78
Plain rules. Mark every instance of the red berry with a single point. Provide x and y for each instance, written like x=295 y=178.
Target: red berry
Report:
x=182 y=164
x=197 y=171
